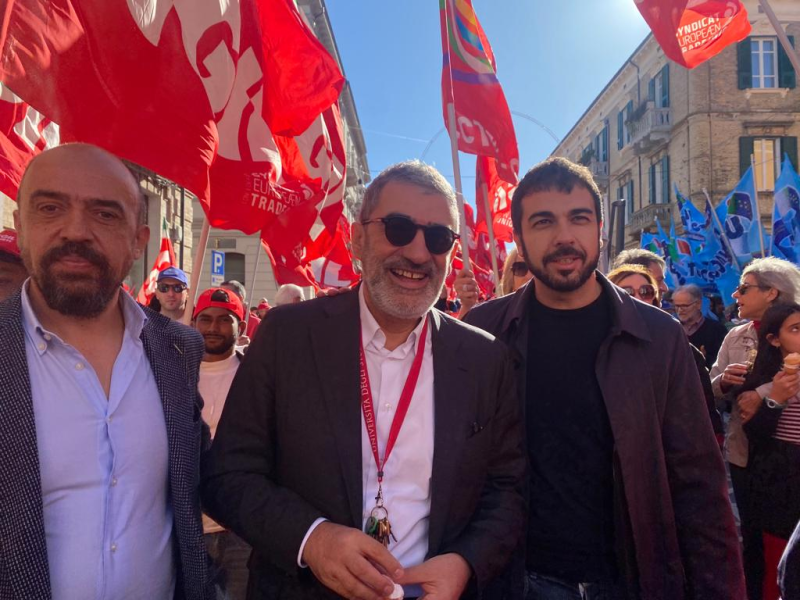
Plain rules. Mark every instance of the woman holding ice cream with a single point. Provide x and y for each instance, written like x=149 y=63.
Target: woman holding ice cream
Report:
x=774 y=435
x=764 y=281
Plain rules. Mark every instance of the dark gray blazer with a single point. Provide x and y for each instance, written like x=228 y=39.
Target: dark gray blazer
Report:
x=288 y=446
x=174 y=352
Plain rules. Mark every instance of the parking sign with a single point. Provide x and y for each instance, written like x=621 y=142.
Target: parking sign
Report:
x=217 y=268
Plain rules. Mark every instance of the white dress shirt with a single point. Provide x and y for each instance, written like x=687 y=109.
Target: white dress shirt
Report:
x=407 y=473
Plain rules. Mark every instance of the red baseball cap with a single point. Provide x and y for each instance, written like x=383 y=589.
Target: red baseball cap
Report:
x=8 y=242
x=264 y=305
x=219 y=298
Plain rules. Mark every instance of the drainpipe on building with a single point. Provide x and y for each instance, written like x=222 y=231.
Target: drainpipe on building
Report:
x=638 y=102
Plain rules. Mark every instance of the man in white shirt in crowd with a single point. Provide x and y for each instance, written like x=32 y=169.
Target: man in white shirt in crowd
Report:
x=369 y=441
x=219 y=318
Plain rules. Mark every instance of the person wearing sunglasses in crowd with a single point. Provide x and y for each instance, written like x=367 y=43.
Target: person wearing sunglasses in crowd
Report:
x=627 y=485
x=369 y=441
x=636 y=281
x=764 y=282
x=172 y=291
x=515 y=275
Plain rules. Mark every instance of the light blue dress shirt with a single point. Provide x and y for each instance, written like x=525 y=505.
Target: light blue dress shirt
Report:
x=104 y=465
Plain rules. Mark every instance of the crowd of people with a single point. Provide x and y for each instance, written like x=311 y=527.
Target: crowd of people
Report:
x=561 y=442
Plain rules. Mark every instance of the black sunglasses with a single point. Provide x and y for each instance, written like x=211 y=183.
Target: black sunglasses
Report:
x=178 y=288
x=742 y=289
x=401 y=231
x=519 y=269
x=646 y=291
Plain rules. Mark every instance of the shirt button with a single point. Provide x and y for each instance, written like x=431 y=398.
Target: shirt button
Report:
x=48 y=337
x=79 y=366
x=42 y=346
x=109 y=419
x=113 y=547
x=114 y=481
x=387 y=406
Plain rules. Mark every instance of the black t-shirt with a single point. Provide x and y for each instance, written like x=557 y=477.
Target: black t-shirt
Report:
x=571 y=523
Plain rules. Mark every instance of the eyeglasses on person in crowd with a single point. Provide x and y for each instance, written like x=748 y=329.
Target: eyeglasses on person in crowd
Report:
x=644 y=292
x=178 y=288
x=401 y=230
x=742 y=289
x=519 y=269
x=682 y=307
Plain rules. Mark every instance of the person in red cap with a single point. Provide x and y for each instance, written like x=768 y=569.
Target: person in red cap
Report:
x=219 y=318
x=12 y=272
x=262 y=309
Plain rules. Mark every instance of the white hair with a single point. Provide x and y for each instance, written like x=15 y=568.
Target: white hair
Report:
x=287 y=293
x=776 y=273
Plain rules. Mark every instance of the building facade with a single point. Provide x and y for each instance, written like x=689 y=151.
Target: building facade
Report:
x=656 y=124
x=244 y=258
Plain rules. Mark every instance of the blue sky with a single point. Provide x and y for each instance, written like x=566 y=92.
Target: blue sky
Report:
x=553 y=58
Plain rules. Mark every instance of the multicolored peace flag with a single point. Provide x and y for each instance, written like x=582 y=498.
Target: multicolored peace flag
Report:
x=469 y=83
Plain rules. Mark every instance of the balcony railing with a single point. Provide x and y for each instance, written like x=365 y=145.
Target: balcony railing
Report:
x=649 y=126
x=644 y=218
x=599 y=169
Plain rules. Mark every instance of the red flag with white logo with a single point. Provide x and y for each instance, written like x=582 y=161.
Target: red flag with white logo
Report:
x=336 y=269
x=692 y=31
x=469 y=82
x=195 y=91
x=24 y=133
x=499 y=192
x=165 y=258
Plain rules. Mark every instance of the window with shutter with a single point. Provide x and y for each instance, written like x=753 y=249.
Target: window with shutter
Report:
x=652 y=184
x=665 y=87
x=628 y=113
x=789 y=147
x=665 y=179
x=786 y=74
x=745 y=150
x=744 y=63
x=629 y=193
x=620 y=131
x=651 y=90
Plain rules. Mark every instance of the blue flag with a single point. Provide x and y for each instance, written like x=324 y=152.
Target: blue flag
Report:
x=738 y=214
x=786 y=214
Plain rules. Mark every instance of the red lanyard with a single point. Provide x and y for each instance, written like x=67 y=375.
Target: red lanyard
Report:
x=402 y=407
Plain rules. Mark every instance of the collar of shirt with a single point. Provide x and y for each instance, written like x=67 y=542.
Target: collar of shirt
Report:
x=132 y=314
x=692 y=326
x=373 y=338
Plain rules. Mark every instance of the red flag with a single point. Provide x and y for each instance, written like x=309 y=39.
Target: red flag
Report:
x=500 y=193
x=336 y=269
x=469 y=82
x=165 y=258
x=290 y=270
x=24 y=133
x=692 y=31
x=191 y=90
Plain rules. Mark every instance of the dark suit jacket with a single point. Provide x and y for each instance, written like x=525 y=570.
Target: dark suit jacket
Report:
x=174 y=352
x=288 y=446
x=674 y=524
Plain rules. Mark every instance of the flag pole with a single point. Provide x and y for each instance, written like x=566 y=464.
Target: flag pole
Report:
x=197 y=268
x=782 y=37
x=498 y=289
x=253 y=282
x=726 y=242
x=452 y=130
x=758 y=206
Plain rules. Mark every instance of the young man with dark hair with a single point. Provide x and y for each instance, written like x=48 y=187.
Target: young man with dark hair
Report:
x=627 y=486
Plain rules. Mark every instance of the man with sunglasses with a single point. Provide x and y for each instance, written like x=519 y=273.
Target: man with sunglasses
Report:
x=627 y=488
x=367 y=439
x=172 y=292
